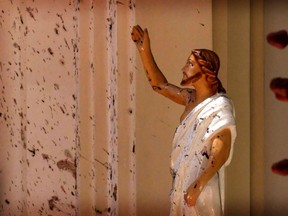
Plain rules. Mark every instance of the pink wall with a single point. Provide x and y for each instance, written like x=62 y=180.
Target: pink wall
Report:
x=39 y=107
x=68 y=117
x=59 y=107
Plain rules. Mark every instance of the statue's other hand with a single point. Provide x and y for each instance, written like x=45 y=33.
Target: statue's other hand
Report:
x=192 y=194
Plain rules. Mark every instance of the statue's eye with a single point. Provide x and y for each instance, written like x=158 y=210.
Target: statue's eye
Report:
x=190 y=63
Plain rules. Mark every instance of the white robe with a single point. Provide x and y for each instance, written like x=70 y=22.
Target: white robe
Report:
x=191 y=150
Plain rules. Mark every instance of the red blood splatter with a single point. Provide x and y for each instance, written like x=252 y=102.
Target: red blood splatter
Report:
x=52 y=202
x=281 y=167
x=280 y=87
x=68 y=166
x=278 y=39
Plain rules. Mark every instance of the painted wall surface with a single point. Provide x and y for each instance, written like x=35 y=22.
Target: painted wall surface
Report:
x=276 y=115
x=75 y=105
x=175 y=28
x=65 y=132
x=238 y=81
x=39 y=107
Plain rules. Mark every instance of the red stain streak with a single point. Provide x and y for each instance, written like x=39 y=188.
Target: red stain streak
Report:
x=278 y=39
x=68 y=166
x=281 y=167
x=280 y=88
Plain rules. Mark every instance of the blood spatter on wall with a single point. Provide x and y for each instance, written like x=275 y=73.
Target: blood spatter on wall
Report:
x=280 y=167
x=67 y=166
x=36 y=104
x=55 y=205
x=279 y=86
x=40 y=106
x=278 y=39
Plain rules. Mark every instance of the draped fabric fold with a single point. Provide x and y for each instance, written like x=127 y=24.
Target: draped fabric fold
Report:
x=191 y=152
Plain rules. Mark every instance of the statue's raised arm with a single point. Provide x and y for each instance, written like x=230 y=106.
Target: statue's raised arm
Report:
x=155 y=77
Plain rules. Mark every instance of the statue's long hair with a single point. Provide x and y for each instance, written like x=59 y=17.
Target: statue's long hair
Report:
x=211 y=61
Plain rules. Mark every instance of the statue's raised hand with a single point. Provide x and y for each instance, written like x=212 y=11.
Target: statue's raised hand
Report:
x=141 y=38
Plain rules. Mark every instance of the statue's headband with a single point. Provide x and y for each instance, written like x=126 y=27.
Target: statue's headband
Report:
x=207 y=58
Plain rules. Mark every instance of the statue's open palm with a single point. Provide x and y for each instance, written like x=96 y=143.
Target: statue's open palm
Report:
x=141 y=38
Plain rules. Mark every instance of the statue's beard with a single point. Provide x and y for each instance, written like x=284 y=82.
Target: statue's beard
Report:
x=191 y=79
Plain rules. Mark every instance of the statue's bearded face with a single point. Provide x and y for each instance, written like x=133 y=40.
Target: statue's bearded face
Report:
x=191 y=71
